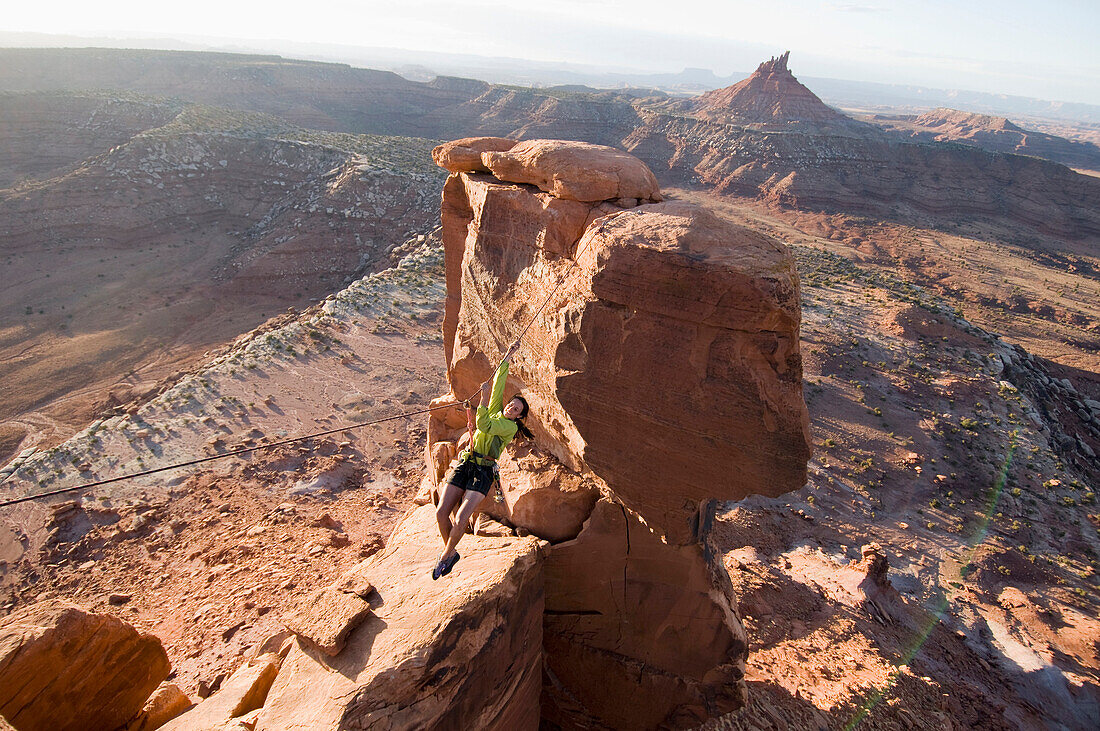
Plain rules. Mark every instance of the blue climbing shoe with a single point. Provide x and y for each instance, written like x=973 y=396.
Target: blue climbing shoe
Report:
x=445 y=566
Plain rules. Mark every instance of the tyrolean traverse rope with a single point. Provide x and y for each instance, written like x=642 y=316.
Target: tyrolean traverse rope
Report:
x=294 y=440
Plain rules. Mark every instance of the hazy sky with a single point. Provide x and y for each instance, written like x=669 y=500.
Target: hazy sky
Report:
x=1041 y=49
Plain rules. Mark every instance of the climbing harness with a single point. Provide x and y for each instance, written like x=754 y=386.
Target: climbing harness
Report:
x=295 y=440
x=479 y=459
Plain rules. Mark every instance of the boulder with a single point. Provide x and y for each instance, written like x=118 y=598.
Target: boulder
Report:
x=244 y=691
x=464 y=156
x=441 y=456
x=666 y=363
x=63 y=667
x=425 y=494
x=577 y=171
x=328 y=615
x=464 y=651
x=541 y=495
x=167 y=702
x=486 y=526
x=538 y=493
x=638 y=633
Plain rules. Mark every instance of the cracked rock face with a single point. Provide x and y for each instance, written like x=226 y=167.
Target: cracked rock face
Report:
x=638 y=633
x=663 y=372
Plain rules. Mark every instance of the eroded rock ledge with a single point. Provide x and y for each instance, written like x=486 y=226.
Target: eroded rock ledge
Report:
x=460 y=653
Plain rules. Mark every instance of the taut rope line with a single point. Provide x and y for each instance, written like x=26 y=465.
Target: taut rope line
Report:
x=246 y=450
x=231 y=453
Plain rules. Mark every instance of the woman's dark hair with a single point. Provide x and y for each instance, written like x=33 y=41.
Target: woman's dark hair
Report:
x=523 y=414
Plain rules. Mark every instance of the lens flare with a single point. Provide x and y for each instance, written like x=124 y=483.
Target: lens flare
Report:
x=981 y=530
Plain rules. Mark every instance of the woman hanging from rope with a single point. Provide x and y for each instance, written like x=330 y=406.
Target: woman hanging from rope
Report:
x=472 y=478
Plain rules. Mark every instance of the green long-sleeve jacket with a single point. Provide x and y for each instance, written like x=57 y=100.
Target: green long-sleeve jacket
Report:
x=494 y=431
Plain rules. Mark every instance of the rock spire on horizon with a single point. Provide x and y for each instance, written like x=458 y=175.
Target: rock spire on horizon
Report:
x=770 y=95
x=775 y=63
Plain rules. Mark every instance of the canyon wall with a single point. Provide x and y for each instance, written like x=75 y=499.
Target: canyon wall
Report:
x=996 y=134
x=133 y=219
x=870 y=175
x=40 y=133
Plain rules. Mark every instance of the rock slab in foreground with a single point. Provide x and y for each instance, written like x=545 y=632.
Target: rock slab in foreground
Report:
x=244 y=691
x=329 y=615
x=167 y=702
x=462 y=652
x=64 y=668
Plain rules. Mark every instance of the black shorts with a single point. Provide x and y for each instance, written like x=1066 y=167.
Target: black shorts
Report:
x=470 y=476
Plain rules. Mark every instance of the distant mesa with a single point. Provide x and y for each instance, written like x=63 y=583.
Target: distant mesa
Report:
x=957 y=121
x=996 y=134
x=770 y=138
x=770 y=95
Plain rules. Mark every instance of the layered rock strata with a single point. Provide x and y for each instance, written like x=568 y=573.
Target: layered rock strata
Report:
x=169 y=240
x=41 y=134
x=663 y=370
x=327 y=96
x=267 y=207
x=767 y=137
x=996 y=134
